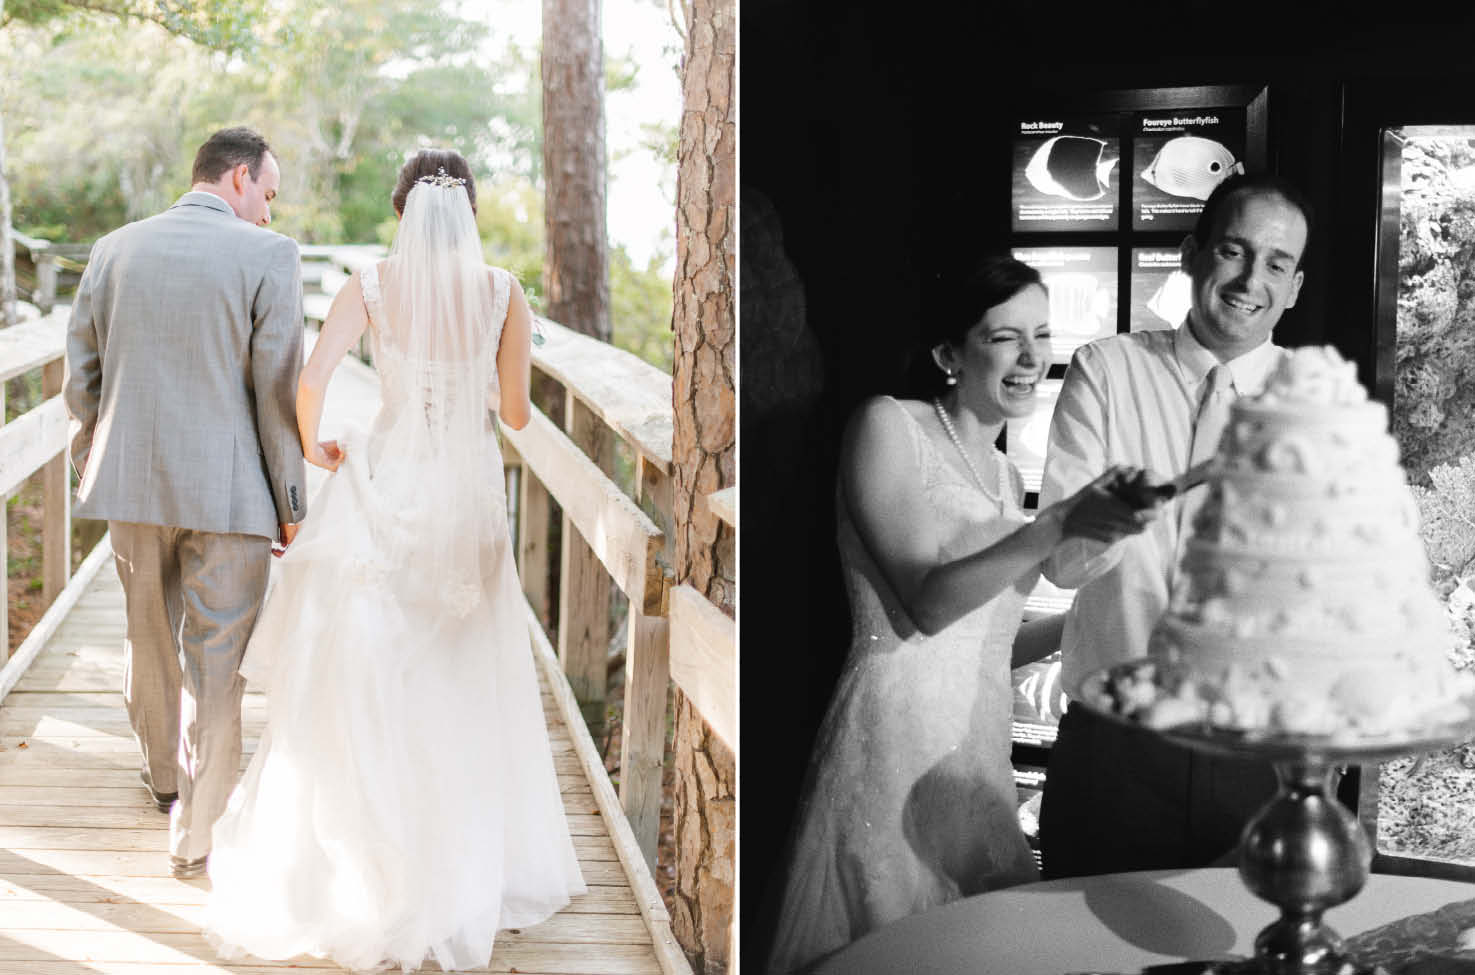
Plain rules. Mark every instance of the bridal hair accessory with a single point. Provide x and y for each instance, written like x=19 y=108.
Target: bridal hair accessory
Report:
x=441 y=179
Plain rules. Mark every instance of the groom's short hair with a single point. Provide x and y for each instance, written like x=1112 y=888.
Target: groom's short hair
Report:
x=227 y=149
x=1253 y=184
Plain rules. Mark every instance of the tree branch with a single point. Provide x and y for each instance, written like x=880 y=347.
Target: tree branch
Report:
x=122 y=14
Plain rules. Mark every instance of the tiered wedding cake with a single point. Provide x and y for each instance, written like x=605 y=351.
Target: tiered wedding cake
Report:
x=1302 y=600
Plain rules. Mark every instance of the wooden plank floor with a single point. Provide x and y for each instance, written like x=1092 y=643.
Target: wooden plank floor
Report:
x=84 y=880
x=84 y=874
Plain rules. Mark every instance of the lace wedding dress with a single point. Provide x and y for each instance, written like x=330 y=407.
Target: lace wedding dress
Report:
x=909 y=801
x=402 y=803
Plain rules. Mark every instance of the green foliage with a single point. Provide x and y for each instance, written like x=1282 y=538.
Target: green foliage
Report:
x=104 y=111
x=92 y=163
x=620 y=73
x=640 y=309
x=509 y=214
x=222 y=25
x=510 y=218
x=33 y=11
x=343 y=93
x=22 y=394
x=661 y=140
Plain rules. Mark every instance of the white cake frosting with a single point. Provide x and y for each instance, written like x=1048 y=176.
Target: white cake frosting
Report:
x=1302 y=601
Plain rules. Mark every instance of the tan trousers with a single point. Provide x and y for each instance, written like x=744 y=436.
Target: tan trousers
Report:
x=192 y=600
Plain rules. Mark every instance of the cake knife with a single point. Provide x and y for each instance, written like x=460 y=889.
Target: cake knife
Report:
x=1191 y=478
x=1139 y=494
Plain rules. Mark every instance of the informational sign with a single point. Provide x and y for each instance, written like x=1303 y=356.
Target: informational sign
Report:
x=1160 y=290
x=1178 y=157
x=1026 y=437
x=1067 y=173
x=1029 y=785
x=1082 y=282
x=1039 y=700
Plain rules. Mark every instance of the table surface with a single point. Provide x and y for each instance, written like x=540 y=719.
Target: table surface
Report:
x=1113 y=923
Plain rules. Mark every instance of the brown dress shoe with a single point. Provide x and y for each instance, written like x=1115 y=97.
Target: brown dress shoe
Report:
x=162 y=800
x=184 y=869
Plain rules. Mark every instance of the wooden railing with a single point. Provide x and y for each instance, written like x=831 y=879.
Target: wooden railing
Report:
x=673 y=632
x=606 y=535
x=37 y=441
x=43 y=267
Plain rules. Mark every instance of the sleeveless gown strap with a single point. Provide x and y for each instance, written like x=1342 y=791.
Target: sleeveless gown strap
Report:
x=369 y=284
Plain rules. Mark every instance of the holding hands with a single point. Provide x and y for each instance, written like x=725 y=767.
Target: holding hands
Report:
x=1122 y=501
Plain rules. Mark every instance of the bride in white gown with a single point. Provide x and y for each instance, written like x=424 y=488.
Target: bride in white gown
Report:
x=402 y=803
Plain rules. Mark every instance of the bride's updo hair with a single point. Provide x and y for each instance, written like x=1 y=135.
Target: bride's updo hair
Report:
x=427 y=162
x=957 y=300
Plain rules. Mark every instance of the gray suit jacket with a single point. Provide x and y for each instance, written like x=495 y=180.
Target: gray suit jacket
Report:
x=183 y=353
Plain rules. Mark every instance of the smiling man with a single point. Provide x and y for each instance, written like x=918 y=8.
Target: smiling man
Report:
x=183 y=351
x=1117 y=798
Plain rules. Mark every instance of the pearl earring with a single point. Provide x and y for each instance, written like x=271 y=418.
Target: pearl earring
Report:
x=951 y=378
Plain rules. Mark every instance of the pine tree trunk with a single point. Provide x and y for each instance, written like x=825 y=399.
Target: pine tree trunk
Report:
x=703 y=456
x=576 y=260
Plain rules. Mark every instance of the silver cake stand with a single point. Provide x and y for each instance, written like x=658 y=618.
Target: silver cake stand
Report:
x=1303 y=851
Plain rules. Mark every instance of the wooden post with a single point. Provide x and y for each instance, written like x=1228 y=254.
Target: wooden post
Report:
x=643 y=741
x=56 y=499
x=583 y=586
x=4 y=554
x=5 y=565
x=654 y=484
x=44 y=296
x=512 y=491
x=532 y=543
x=647 y=684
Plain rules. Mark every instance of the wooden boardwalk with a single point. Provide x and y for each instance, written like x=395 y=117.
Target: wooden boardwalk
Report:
x=84 y=881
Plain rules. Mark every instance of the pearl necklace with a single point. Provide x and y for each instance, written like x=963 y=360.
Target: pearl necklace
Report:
x=952 y=434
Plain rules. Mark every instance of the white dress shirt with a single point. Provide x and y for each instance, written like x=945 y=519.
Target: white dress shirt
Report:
x=1127 y=399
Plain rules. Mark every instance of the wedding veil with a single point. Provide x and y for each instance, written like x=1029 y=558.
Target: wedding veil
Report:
x=437 y=470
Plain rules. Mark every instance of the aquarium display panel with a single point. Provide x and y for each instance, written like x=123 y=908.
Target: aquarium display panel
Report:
x=1082 y=282
x=1160 y=290
x=1178 y=157
x=1026 y=437
x=1067 y=173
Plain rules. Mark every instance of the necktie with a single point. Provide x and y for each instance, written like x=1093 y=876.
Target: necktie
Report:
x=1213 y=414
x=1208 y=427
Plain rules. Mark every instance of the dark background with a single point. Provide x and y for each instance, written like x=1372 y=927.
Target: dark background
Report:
x=877 y=140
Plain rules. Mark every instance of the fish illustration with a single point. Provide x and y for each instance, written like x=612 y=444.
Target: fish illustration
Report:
x=1071 y=166
x=1190 y=165
x=1078 y=304
x=1171 y=301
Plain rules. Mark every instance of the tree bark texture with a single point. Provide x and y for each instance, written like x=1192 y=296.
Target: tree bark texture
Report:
x=703 y=384
x=706 y=843
x=703 y=454
x=576 y=259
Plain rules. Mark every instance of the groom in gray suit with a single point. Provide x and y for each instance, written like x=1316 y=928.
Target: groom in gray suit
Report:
x=183 y=353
